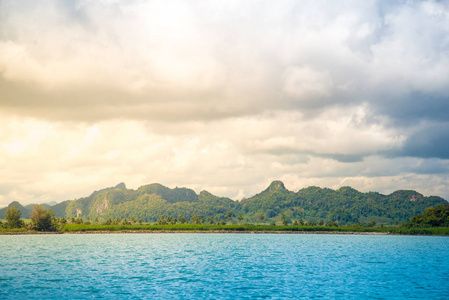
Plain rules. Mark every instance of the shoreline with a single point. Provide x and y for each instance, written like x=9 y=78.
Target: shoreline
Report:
x=227 y=232
x=201 y=232
x=244 y=229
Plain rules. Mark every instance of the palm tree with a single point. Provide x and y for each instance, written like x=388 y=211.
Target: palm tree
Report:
x=196 y=219
x=284 y=220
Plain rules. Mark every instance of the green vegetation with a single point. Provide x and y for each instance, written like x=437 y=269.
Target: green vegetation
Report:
x=42 y=219
x=433 y=217
x=12 y=217
x=250 y=228
x=277 y=206
x=13 y=230
x=164 y=225
x=26 y=210
x=343 y=206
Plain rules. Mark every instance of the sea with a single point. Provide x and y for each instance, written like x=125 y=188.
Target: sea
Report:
x=223 y=266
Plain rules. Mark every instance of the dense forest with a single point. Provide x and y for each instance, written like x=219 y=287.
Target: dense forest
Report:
x=275 y=204
x=432 y=217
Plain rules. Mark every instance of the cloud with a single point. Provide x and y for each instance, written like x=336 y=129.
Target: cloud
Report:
x=55 y=161
x=222 y=96
x=428 y=140
x=226 y=60
x=306 y=84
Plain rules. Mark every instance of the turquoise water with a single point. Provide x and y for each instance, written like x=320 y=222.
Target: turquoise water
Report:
x=223 y=266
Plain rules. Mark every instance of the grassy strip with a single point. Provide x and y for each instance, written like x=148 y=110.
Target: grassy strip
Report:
x=421 y=231
x=251 y=228
x=202 y=227
x=13 y=230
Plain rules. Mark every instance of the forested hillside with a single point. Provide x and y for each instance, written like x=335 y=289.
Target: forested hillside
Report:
x=433 y=217
x=25 y=210
x=345 y=205
x=312 y=204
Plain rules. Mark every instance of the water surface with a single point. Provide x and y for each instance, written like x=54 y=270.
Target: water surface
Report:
x=223 y=266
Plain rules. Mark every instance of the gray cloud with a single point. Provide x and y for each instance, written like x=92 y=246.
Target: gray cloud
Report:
x=220 y=61
x=226 y=96
x=428 y=140
x=407 y=111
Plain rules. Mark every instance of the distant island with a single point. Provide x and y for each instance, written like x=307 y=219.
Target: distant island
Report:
x=155 y=203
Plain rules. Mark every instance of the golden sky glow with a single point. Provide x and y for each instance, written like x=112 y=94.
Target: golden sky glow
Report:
x=222 y=95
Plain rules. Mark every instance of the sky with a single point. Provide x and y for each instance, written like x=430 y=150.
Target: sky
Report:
x=223 y=96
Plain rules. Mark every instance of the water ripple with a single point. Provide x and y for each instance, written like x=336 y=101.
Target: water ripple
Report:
x=231 y=266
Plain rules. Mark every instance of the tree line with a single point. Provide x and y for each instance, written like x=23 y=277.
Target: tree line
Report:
x=432 y=217
x=41 y=219
x=44 y=220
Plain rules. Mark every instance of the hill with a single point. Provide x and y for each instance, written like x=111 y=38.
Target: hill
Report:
x=26 y=210
x=345 y=205
x=149 y=202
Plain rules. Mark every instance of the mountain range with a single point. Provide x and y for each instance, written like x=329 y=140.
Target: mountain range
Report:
x=149 y=202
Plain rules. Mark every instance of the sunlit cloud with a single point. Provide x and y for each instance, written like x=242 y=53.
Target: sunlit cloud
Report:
x=223 y=96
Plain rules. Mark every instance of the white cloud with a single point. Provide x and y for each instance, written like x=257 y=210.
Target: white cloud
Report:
x=411 y=54
x=219 y=96
x=307 y=84
x=237 y=58
x=235 y=157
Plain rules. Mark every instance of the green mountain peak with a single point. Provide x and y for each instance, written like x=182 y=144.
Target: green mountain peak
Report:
x=121 y=186
x=276 y=185
x=149 y=202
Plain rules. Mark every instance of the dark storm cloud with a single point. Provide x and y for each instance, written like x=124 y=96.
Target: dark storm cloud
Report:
x=413 y=108
x=428 y=141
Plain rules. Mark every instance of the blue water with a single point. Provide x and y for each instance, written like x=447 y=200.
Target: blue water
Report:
x=223 y=266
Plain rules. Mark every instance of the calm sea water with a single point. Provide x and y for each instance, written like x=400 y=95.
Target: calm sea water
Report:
x=229 y=266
